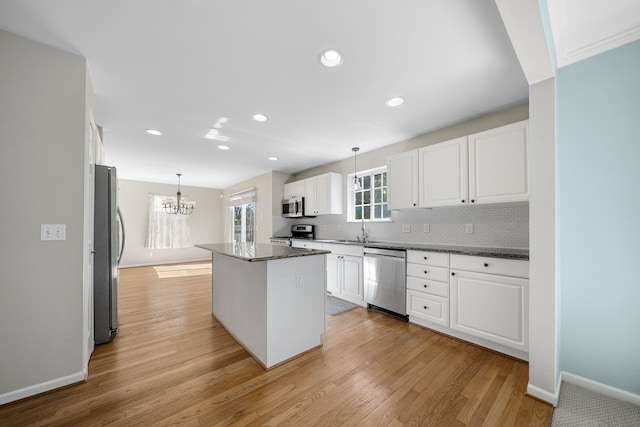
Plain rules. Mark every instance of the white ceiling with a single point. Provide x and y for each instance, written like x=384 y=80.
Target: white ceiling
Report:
x=179 y=66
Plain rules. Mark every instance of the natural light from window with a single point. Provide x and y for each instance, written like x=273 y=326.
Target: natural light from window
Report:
x=369 y=202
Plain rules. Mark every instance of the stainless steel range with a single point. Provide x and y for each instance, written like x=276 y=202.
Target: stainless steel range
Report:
x=298 y=231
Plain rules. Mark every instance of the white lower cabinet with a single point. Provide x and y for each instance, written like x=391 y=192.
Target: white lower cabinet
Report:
x=493 y=307
x=344 y=272
x=427 y=307
x=483 y=300
x=428 y=288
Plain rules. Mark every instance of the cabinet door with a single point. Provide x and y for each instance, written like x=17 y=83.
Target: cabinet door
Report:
x=333 y=273
x=352 y=285
x=293 y=189
x=491 y=307
x=329 y=194
x=498 y=171
x=402 y=180
x=310 y=207
x=323 y=194
x=443 y=174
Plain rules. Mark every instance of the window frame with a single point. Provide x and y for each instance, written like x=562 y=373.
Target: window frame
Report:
x=351 y=205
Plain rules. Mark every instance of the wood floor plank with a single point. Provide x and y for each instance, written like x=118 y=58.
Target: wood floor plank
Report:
x=173 y=364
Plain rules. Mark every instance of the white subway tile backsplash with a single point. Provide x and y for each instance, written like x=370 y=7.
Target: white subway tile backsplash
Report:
x=499 y=225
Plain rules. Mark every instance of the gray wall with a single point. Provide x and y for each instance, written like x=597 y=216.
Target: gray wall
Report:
x=499 y=225
x=205 y=222
x=42 y=134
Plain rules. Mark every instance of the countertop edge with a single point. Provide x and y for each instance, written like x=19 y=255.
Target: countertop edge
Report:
x=291 y=253
x=506 y=253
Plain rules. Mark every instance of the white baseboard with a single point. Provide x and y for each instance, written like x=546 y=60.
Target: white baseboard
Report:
x=164 y=262
x=544 y=395
x=41 y=388
x=597 y=387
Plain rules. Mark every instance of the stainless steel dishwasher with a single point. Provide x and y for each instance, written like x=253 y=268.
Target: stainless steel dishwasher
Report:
x=385 y=280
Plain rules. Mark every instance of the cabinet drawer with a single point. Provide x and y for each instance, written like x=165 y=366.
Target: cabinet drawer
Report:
x=428 y=258
x=336 y=248
x=428 y=272
x=428 y=307
x=308 y=244
x=499 y=266
x=428 y=286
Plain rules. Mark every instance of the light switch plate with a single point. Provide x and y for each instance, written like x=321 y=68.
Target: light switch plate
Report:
x=53 y=231
x=406 y=228
x=469 y=229
x=426 y=228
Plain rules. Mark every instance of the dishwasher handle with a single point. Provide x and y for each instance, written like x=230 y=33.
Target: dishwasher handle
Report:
x=388 y=253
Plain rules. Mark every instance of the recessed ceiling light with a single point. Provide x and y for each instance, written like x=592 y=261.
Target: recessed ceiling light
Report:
x=260 y=117
x=394 y=102
x=331 y=58
x=273 y=158
x=223 y=147
x=154 y=132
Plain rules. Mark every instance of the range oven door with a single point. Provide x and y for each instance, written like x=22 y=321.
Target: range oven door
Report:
x=293 y=208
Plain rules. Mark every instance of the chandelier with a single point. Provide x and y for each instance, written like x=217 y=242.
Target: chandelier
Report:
x=178 y=205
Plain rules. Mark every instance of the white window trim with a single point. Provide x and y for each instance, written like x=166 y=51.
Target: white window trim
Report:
x=351 y=197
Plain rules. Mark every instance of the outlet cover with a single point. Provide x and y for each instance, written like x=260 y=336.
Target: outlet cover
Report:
x=406 y=228
x=426 y=228
x=469 y=229
x=53 y=231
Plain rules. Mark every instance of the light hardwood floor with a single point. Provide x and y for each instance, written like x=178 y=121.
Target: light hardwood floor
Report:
x=173 y=364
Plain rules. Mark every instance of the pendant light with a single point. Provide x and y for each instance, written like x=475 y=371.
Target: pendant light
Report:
x=178 y=206
x=357 y=186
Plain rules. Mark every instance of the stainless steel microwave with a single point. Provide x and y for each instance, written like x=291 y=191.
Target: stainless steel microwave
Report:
x=293 y=208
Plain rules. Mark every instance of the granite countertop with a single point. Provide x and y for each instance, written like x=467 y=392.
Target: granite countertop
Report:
x=521 y=254
x=259 y=251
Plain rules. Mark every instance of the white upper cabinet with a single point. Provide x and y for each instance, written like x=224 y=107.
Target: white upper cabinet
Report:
x=486 y=167
x=323 y=194
x=443 y=174
x=402 y=180
x=498 y=171
x=310 y=207
x=294 y=189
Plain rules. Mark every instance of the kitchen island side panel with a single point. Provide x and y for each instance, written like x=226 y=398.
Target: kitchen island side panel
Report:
x=239 y=301
x=296 y=306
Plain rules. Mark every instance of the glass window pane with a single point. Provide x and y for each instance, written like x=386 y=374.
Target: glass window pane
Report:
x=367 y=197
x=366 y=182
x=377 y=211
x=358 y=212
x=384 y=179
x=377 y=195
x=367 y=212
x=358 y=197
x=386 y=213
x=384 y=195
x=377 y=180
x=250 y=219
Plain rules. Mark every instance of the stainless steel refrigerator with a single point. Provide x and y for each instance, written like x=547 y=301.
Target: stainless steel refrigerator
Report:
x=108 y=244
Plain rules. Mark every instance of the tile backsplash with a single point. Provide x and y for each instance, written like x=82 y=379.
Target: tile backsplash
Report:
x=498 y=225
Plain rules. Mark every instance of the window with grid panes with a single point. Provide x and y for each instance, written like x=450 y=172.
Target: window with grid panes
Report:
x=369 y=202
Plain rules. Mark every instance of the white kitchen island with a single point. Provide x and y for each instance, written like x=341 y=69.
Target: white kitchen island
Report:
x=271 y=299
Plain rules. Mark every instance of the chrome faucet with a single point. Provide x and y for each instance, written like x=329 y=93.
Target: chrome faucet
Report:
x=365 y=236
